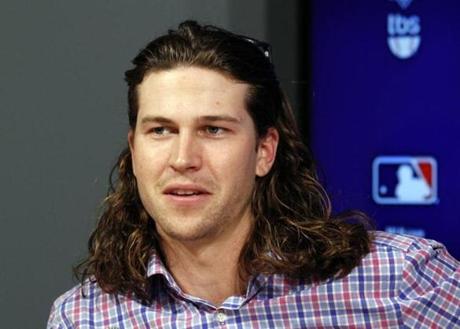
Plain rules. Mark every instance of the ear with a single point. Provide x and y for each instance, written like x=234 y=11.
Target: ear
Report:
x=131 y=149
x=266 y=152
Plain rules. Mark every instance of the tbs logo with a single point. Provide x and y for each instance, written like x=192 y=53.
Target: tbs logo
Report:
x=404 y=180
x=403 y=35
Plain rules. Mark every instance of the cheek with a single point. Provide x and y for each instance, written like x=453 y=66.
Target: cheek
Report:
x=148 y=160
x=234 y=163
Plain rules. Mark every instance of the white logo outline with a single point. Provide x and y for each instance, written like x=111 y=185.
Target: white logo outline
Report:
x=399 y=159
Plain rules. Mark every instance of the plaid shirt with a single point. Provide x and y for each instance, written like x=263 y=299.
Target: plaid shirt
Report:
x=404 y=282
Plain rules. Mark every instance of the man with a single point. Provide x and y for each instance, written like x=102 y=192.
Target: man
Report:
x=217 y=219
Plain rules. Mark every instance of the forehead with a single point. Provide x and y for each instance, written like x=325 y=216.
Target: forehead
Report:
x=191 y=90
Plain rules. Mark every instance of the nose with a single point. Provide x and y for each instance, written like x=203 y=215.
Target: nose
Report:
x=185 y=153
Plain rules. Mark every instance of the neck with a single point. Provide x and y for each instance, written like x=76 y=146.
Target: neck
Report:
x=209 y=269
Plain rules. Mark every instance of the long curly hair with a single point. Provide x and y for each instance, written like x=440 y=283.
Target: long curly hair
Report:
x=294 y=231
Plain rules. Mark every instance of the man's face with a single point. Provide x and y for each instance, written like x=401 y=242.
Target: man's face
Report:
x=195 y=153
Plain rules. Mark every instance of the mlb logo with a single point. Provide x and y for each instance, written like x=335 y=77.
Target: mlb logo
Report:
x=404 y=180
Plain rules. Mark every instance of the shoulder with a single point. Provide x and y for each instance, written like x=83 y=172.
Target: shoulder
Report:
x=411 y=254
x=426 y=277
x=76 y=304
x=403 y=243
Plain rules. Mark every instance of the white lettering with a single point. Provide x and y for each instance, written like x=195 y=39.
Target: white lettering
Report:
x=399 y=25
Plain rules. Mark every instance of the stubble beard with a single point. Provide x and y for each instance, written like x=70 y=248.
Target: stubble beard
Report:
x=191 y=225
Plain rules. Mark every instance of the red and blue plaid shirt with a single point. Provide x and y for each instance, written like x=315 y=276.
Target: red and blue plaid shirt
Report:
x=404 y=282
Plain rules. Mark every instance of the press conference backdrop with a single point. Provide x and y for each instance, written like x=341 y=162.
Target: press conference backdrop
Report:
x=386 y=111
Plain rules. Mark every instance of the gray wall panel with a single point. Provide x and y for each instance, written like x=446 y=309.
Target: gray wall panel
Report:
x=62 y=100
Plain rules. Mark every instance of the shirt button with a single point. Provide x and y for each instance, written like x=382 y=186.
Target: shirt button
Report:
x=221 y=317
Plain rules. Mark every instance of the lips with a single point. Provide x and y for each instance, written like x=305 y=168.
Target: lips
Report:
x=190 y=195
x=185 y=190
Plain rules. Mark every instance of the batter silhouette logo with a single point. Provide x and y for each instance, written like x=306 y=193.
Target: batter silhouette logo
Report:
x=404 y=180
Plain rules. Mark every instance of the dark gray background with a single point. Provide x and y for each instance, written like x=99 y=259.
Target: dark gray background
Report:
x=62 y=103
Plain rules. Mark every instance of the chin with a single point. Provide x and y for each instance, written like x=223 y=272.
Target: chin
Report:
x=187 y=229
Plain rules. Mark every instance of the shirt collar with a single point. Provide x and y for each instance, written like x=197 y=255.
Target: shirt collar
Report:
x=156 y=267
x=268 y=286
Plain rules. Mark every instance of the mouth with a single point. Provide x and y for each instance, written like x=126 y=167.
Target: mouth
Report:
x=185 y=191
x=188 y=196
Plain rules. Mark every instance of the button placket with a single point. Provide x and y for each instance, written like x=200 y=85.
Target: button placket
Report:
x=221 y=316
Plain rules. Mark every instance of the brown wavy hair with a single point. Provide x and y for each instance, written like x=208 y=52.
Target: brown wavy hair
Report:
x=294 y=232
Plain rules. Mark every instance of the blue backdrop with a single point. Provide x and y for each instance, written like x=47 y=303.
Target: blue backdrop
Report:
x=386 y=111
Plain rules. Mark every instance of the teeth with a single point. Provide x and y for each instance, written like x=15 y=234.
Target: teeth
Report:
x=184 y=192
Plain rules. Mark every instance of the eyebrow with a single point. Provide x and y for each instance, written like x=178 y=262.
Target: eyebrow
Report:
x=213 y=118
x=205 y=118
x=158 y=119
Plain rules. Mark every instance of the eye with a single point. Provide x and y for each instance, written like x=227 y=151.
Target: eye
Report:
x=213 y=130
x=160 y=131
